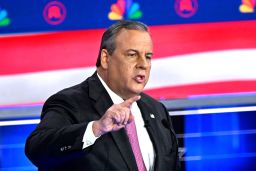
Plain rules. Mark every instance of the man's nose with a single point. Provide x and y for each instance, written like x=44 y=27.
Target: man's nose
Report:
x=143 y=62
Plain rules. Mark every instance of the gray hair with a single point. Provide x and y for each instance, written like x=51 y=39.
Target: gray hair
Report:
x=109 y=36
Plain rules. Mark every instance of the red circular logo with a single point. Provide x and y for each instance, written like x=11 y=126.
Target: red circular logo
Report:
x=186 y=8
x=54 y=13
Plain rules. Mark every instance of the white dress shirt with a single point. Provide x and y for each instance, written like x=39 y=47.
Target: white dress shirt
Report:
x=147 y=149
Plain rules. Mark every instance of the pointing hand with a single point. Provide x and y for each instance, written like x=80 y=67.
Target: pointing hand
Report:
x=115 y=118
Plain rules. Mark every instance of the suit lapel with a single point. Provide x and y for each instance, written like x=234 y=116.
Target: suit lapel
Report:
x=124 y=146
x=102 y=103
x=150 y=120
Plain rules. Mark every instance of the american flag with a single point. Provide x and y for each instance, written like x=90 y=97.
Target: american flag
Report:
x=189 y=60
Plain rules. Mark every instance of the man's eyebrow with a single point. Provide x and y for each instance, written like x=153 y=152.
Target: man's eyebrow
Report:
x=150 y=53
x=134 y=50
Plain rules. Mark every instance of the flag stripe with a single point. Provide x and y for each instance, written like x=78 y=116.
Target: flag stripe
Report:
x=217 y=72
x=202 y=89
x=75 y=49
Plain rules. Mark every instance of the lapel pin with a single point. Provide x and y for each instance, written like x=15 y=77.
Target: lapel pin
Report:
x=152 y=115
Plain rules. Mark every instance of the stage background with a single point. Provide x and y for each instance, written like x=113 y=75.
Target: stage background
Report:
x=204 y=59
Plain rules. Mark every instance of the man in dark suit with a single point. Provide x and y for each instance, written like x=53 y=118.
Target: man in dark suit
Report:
x=85 y=127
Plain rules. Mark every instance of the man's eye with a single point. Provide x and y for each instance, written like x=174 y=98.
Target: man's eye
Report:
x=132 y=54
x=149 y=56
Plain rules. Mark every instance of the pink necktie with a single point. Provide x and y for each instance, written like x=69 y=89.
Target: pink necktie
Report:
x=133 y=138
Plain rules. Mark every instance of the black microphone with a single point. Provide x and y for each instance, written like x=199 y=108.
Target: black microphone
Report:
x=166 y=123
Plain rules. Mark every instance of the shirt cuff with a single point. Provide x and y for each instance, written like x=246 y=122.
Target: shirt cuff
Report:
x=89 y=138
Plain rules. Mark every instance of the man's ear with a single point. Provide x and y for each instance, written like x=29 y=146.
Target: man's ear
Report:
x=104 y=58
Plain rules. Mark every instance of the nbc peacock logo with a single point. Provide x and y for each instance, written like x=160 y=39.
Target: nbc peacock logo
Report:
x=247 y=6
x=4 y=20
x=125 y=9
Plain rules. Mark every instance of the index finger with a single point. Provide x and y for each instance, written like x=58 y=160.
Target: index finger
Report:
x=130 y=101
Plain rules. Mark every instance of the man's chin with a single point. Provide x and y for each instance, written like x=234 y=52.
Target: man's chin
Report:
x=137 y=91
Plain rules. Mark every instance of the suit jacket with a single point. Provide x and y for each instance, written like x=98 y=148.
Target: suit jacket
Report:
x=56 y=143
